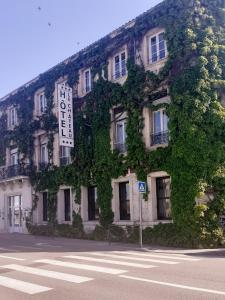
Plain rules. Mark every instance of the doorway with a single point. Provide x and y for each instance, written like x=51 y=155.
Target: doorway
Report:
x=15 y=213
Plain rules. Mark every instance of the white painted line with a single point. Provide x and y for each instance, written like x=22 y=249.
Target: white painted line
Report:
x=180 y=286
x=11 y=257
x=108 y=261
x=49 y=274
x=137 y=259
x=22 y=286
x=81 y=266
x=149 y=254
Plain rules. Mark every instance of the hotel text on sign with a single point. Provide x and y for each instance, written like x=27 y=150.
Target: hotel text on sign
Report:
x=65 y=102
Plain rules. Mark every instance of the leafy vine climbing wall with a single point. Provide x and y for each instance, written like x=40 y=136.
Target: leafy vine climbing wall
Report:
x=195 y=157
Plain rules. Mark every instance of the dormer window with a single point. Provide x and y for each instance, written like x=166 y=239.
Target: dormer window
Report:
x=42 y=103
x=87 y=81
x=120 y=65
x=157 y=48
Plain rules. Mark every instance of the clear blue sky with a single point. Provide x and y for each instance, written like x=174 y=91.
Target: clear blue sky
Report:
x=29 y=46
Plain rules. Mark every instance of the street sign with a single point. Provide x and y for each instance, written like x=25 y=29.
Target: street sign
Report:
x=141 y=187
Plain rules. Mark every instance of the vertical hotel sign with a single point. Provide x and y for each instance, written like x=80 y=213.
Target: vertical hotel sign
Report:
x=65 y=106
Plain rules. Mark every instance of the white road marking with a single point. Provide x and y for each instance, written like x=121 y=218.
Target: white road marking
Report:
x=149 y=254
x=108 y=261
x=49 y=274
x=81 y=266
x=11 y=257
x=180 y=286
x=137 y=259
x=22 y=286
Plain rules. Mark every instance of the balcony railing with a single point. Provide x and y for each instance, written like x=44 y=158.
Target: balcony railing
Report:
x=160 y=138
x=64 y=161
x=121 y=147
x=14 y=171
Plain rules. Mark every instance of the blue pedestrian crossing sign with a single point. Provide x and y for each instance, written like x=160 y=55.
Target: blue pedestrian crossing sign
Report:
x=141 y=187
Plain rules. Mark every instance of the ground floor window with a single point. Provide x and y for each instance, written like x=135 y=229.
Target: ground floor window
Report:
x=93 y=208
x=163 y=198
x=45 y=206
x=67 y=205
x=124 y=199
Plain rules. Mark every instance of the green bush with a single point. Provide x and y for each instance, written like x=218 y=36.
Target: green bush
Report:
x=117 y=233
x=99 y=233
x=132 y=234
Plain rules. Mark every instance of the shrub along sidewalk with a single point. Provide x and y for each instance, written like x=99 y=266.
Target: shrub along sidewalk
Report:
x=159 y=235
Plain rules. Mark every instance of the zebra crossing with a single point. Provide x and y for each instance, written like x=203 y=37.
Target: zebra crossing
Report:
x=114 y=263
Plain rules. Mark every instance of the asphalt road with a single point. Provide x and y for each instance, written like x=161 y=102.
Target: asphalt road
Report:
x=42 y=268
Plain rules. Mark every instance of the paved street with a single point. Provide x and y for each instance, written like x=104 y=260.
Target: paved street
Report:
x=45 y=268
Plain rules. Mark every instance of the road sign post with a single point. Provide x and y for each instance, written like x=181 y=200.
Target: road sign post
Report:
x=141 y=190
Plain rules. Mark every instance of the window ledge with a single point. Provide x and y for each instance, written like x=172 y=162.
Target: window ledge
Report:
x=158 y=62
x=156 y=146
x=120 y=80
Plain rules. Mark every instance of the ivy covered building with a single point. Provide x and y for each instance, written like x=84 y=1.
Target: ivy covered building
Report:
x=148 y=104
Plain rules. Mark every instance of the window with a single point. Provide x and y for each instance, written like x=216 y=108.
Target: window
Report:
x=45 y=206
x=93 y=209
x=14 y=169
x=65 y=157
x=157 y=48
x=120 y=139
x=120 y=129
x=42 y=103
x=12 y=117
x=43 y=157
x=67 y=207
x=44 y=153
x=120 y=65
x=160 y=127
x=87 y=81
x=124 y=197
x=15 y=211
x=13 y=157
x=163 y=198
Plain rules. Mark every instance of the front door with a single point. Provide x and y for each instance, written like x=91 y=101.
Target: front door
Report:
x=15 y=213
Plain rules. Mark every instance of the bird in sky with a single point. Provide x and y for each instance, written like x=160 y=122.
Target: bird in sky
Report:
x=49 y=24
x=39 y=8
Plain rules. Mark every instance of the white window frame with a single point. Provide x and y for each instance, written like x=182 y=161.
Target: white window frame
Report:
x=121 y=65
x=162 y=129
x=14 y=158
x=65 y=151
x=45 y=158
x=157 y=48
x=87 y=81
x=42 y=103
x=123 y=123
x=12 y=117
